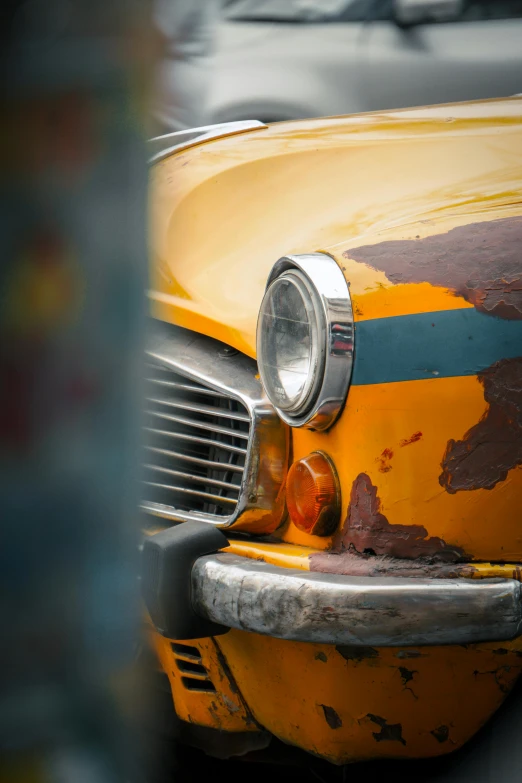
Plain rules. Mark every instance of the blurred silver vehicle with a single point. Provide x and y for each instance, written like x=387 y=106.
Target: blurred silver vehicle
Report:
x=288 y=59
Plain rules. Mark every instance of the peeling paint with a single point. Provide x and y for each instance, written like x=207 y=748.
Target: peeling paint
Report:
x=367 y=530
x=493 y=446
x=389 y=731
x=480 y=262
x=406 y=674
x=351 y=563
x=213 y=710
x=321 y=657
x=412 y=439
x=407 y=677
x=384 y=461
x=331 y=717
x=357 y=653
x=225 y=673
x=441 y=733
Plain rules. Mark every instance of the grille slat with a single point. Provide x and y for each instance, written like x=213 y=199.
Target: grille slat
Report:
x=187 y=387
x=184 y=490
x=209 y=432
x=195 y=460
x=206 y=409
x=193 y=477
x=199 y=424
x=195 y=439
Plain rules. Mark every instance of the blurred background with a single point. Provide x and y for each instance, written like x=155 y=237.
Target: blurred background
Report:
x=84 y=84
x=274 y=60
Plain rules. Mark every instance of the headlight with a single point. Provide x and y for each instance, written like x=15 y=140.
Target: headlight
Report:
x=290 y=342
x=305 y=340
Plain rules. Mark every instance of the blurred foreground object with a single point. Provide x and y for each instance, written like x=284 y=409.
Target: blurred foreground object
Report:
x=289 y=59
x=183 y=81
x=72 y=281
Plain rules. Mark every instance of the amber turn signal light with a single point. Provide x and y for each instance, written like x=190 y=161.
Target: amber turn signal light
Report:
x=313 y=496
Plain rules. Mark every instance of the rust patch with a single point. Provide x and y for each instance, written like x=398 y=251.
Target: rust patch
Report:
x=357 y=653
x=412 y=439
x=384 y=461
x=331 y=717
x=351 y=563
x=480 y=262
x=367 y=530
x=389 y=731
x=441 y=733
x=493 y=446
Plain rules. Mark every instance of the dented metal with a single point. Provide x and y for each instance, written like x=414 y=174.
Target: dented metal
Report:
x=332 y=609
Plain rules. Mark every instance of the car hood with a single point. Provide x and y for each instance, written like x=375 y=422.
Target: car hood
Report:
x=222 y=212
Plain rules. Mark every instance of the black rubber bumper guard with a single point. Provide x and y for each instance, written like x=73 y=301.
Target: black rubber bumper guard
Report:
x=166 y=577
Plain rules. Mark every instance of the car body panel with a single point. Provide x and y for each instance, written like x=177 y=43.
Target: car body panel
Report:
x=387 y=195
x=212 y=698
x=348 y=704
x=224 y=213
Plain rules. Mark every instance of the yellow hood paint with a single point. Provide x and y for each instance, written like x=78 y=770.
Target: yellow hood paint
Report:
x=223 y=212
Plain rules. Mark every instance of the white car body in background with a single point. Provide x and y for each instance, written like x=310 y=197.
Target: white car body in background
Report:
x=288 y=59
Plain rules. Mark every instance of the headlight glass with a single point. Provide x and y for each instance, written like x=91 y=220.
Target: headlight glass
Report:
x=290 y=340
x=305 y=340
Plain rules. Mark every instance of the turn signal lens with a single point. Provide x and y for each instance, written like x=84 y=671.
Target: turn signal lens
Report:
x=313 y=496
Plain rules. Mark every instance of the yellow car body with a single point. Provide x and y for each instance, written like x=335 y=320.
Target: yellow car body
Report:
x=421 y=209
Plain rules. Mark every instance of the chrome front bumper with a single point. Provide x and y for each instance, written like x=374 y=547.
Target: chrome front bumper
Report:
x=193 y=590
x=326 y=608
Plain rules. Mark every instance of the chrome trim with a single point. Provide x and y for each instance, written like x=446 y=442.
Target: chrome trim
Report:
x=308 y=606
x=163 y=146
x=260 y=505
x=329 y=282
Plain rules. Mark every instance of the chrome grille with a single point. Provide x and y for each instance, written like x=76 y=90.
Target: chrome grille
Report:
x=195 y=446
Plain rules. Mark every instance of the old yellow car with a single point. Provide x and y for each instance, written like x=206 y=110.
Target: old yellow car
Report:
x=333 y=481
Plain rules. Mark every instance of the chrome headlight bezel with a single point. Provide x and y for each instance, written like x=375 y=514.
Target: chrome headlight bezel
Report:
x=332 y=305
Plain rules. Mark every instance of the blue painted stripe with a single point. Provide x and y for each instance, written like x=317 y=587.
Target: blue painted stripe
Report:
x=444 y=344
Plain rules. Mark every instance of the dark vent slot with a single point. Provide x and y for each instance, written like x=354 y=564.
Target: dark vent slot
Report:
x=186 y=650
x=187 y=667
x=197 y=685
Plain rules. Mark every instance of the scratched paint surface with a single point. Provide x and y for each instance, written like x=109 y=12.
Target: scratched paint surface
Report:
x=383 y=416
x=361 y=703
x=350 y=563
